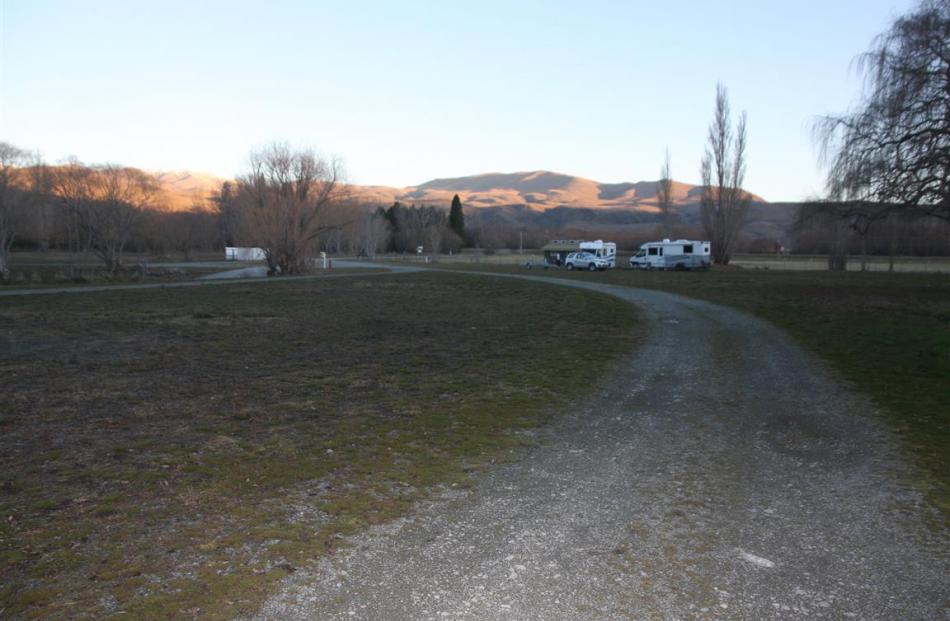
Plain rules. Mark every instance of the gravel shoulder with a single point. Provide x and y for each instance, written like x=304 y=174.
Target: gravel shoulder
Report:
x=719 y=473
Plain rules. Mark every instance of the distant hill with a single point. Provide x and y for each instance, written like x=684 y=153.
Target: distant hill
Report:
x=539 y=199
x=184 y=189
x=538 y=190
x=544 y=201
x=569 y=205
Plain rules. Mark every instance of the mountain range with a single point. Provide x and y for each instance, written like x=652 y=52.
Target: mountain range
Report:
x=538 y=190
x=540 y=199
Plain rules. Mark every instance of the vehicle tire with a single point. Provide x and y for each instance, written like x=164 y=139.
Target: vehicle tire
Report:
x=680 y=267
x=591 y=267
x=570 y=266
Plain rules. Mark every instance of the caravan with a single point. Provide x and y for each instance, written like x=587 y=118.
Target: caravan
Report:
x=680 y=254
x=557 y=252
x=602 y=250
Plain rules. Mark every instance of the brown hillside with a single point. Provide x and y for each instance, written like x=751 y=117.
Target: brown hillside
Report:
x=186 y=190
x=539 y=190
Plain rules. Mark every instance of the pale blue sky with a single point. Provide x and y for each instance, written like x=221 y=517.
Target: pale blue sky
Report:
x=409 y=91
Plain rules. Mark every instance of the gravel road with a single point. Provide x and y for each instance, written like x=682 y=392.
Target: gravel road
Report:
x=719 y=473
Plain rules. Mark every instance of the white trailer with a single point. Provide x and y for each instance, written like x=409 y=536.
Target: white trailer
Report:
x=232 y=253
x=679 y=254
x=605 y=250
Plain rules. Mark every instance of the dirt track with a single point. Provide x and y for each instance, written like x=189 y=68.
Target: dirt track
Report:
x=719 y=474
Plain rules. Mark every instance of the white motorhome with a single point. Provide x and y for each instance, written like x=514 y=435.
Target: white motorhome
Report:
x=556 y=252
x=679 y=254
x=604 y=250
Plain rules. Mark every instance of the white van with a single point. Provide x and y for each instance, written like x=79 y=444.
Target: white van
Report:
x=680 y=254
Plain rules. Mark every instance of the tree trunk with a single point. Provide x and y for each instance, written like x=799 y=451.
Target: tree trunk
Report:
x=838 y=252
x=891 y=245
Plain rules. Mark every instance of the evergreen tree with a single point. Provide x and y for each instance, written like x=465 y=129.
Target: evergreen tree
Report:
x=393 y=216
x=457 y=218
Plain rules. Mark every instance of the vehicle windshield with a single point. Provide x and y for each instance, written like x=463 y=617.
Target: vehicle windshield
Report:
x=641 y=253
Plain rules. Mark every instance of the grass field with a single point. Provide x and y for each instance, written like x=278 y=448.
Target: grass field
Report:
x=173 y=453
x=886 y=334
x=791 y=262
x=56 y=268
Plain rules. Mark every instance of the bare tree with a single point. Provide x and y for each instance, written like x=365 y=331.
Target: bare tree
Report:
x=373 y=232
x=724 y=204
x=104 y=203
x=285 y=194
x=430 y=225
x=73 y=191
x=893 y=151
x=188 y=230
x=830 y=220
x=11 y=215
x=19 y=189
x=42 y=217
x=120 y=197
x=664 y=197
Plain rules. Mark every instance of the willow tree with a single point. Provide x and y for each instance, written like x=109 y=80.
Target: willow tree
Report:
x=892 y=152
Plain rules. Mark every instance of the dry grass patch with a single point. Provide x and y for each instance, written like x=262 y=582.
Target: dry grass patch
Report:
x=172 y=453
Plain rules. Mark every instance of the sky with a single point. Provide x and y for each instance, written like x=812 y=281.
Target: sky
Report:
x=404 y=92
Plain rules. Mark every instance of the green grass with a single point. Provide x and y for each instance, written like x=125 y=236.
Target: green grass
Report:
x=169 y=451
x=888 y=335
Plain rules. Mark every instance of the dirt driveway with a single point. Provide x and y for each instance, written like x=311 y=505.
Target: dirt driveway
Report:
x=719 y=474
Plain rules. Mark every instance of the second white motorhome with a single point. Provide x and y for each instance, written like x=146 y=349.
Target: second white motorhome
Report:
x=679 y=254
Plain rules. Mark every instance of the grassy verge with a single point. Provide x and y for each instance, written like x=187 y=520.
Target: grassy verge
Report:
x=175 y=278
x=886 y=334
x=59 y=277
x=173 y=453
x=59 y=269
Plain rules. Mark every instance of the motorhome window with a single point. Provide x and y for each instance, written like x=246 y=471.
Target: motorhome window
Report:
x=652 y=251
x=661 y=251
x=688 y=249
x=706 y=250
